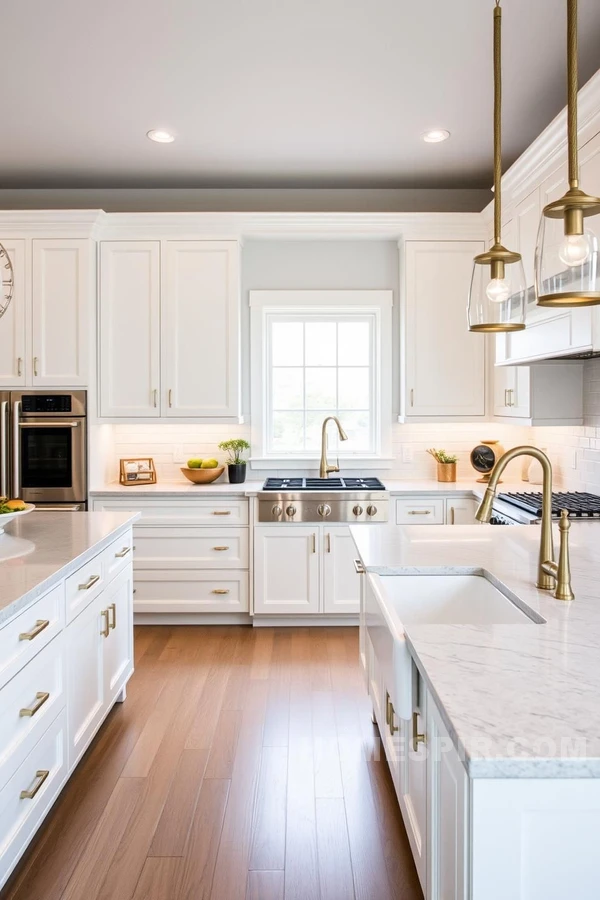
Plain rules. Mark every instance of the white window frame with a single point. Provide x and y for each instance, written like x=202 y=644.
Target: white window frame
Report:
x=264 y=305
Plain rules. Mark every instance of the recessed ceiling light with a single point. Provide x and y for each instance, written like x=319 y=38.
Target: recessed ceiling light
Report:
x=435 y=136
x=160 y=136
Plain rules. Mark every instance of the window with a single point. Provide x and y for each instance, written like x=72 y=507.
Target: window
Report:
x=315 y=354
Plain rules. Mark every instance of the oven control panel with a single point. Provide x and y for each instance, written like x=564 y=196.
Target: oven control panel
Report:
x=47 y=403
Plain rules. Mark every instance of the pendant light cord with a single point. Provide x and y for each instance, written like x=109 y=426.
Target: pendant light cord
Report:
x=498 y=122
x=572 y=80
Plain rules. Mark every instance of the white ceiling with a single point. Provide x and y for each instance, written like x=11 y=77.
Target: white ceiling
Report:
x=266 y=93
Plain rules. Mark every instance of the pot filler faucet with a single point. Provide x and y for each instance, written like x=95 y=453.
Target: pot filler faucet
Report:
x=325 y=468
x=550 y=575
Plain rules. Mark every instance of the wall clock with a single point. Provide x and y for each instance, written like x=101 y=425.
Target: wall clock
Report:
x=484 y=457
x=7 y=282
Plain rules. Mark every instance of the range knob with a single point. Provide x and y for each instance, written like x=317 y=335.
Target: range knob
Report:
x=291 y=510
x=358 y=510
x=276 y=510
x=371 y=510
x=324 y=510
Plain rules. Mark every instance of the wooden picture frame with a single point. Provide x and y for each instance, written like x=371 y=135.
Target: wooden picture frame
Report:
x=137 y=471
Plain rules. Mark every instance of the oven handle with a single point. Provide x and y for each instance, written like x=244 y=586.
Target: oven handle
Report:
x=75 y=508
x=4 y=447
x=49 y=423
x=16 y=449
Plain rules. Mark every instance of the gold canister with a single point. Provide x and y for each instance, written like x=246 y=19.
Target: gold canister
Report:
x=446 y=471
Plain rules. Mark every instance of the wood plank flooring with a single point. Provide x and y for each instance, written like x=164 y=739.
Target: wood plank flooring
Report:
x=242 y=766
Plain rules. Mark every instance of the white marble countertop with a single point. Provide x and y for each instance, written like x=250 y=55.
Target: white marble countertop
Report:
x=518 y=700
x=38 y=550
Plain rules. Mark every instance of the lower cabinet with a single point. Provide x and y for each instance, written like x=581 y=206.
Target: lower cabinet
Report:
x=305 y=570
x=461 y=512
x=85 y=678
x=117 y=647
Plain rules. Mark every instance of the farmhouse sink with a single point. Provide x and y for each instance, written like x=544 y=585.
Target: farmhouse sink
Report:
x=395 y=602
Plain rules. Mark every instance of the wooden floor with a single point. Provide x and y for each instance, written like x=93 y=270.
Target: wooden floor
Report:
x=242 y=766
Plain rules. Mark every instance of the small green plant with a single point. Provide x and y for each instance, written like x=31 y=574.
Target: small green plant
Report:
x=441 y=456
x=235 y=448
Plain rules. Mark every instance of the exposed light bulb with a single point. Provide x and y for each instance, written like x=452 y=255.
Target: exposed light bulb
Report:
x=498 y=290
x=575 y=249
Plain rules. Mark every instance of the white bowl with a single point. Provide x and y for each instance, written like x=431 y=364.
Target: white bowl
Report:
x=8 y=517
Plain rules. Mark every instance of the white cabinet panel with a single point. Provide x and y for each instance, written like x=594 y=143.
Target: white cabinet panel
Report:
x=185 y=591
x=187 y=511
x=445 y=363
x=461 y=511
x=118 y=645
x=12 y=323
x=129 y=348
x=527 y=221
x=286 y=569
x=201 y=329
x=177 y=547
x=341 y=584
x=413 y=782
x=28 y=632
x=425 y=510
x=85 y=691
x=62 y=298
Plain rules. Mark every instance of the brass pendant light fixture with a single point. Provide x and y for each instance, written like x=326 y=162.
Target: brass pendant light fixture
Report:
x=497 y=293
x=566 y=257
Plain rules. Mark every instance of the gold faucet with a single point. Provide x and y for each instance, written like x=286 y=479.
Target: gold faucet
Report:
x=550 y=575
x=325 y=468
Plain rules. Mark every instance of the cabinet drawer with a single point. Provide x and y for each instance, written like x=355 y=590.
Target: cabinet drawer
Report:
x=42 y=775
x=28 y=703
x=420 y=511
x=191 y=592
x=118 y=555
x=188 y=511
x=191 y=548
x=83 y=585
x=29 y=632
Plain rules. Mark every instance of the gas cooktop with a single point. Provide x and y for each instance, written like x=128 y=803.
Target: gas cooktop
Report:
x=579 y=505
x=323 y=484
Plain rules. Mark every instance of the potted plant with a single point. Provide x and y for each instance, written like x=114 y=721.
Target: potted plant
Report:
x=446 y=464
x=236 y=466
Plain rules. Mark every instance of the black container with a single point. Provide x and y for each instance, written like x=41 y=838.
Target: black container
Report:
x=236 y=473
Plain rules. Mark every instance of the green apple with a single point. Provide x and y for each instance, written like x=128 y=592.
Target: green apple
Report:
x=195 y=463
x=209 y=464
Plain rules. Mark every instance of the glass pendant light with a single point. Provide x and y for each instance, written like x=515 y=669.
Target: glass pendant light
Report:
x=497 y=293
x=566 y=257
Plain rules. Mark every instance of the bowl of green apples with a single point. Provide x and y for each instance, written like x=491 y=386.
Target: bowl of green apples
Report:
x=202 y=471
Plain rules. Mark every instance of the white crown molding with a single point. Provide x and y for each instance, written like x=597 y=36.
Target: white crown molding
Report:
x=82 y=223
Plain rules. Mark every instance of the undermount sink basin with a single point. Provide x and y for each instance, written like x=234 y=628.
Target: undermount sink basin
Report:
x=452 y=600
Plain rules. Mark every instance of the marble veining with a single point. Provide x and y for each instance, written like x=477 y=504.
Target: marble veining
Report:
x=54 y=544
x=518 y=700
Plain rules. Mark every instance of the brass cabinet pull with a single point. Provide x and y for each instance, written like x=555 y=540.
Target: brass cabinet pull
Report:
x=506 y=403
x=220 y=591
x=40 y=699
x=123 y=552
x=511 y=401
x=155 y=397
x=416 y=737
x=358 y=567
x=92 y=580
x=113 y=608
x=452 y=515
x=35 y=369
x=19 y=366
x=40 y=777
x=39 y=627
x=221 y=512
x=387 y=708
x=419 y=512
x=328 y=542
x=314 y=543
x=220 y=548
x=106 y=630
x=170 y=397
x=412 y=396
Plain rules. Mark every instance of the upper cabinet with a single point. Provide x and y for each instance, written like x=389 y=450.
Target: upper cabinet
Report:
x=525 y=222
x=45 y=331
x=444 y=364
x=169 y=336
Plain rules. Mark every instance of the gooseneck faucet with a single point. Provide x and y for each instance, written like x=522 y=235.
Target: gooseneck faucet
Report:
x=325 y=468
x=550 y=575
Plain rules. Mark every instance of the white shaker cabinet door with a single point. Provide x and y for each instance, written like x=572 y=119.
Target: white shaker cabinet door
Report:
x=118 y=645
x=286 y=569
x=413 y=779
x=85 y=683
x=12 y=323
x=341 y=584
x=129 y=340
x=200 y=321
x=445 y=363
x=62 y=295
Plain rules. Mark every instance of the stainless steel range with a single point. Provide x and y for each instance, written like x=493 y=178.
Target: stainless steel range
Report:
x=525 y=508
x=323 y=499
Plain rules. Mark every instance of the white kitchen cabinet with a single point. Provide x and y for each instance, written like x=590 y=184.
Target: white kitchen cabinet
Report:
x=413 y=779
x=117 y=646
x=447 y=815
x=461 y=511
x=425 y=510
x=341 y=586
x=85 y=678
x=286 y=569
x=129 y=337
x=546 y=393
x=526 y=218
x=62 y=284
x=444 y=375
x=200 y=329
x=12 y=323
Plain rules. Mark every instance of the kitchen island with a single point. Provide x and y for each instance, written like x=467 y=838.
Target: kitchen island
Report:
x=497 y=770
x=66 y=654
